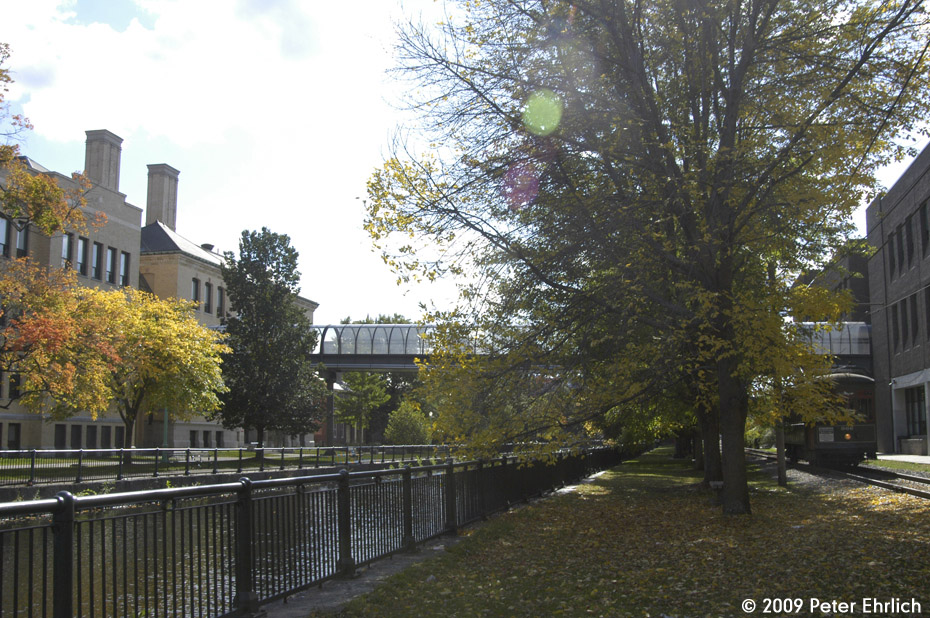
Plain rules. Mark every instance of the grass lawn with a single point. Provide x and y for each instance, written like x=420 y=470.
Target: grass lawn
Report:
x=898 y=466
x=642 y=541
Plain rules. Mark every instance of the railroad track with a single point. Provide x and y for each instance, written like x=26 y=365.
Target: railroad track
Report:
x=895 y=481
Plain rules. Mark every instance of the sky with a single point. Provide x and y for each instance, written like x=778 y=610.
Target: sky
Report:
x=275 y=112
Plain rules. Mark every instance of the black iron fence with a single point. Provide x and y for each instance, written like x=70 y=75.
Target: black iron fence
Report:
x=225 y=549
x=38 y=467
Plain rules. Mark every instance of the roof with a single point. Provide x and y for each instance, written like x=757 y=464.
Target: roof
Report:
x=31 y=164
x=159 y=238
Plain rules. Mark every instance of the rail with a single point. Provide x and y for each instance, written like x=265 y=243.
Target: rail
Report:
x=226 y=549
x=26 y=468
x=886 y=479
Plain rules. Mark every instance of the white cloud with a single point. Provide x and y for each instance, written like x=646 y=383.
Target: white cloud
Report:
x=273 y=111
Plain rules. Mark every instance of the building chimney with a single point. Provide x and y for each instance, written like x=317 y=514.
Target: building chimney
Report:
x=101 y=158
x=162 y=202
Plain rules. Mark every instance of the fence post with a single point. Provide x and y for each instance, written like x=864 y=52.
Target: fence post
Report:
x=32 y=469
x=282 y=457
x=480 y=486
x=119 y=471
x=187 y=462
x=63 y=548
x=410 y=543
x=451 y=514
x=246 y=600
x=80 y=467
x=240 y=461
x=156 y=461
x=216 y=460
x=346 y=565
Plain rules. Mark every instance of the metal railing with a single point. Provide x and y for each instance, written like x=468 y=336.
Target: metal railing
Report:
x=225 y=549
x=44 y=467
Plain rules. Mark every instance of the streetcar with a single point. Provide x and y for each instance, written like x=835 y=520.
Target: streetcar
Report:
x=845 y=444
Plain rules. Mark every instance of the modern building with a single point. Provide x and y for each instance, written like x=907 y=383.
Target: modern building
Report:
x=122 y=252
x=898 y=228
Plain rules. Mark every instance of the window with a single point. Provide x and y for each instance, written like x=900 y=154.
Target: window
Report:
x=5 y=236
x=221 y=302
x=96 y=261
x=15 y=382
x=891 y=261
x=111 y=264
x=909 y=238
x=915 y=408
x=206 y=439
x=900 y=247
x=106 y=436
x=61 y=437
x=14 y=432
x=894 y=326
x=22 y=242
x=193 y=438
x=124 y=269
x=76 y=433
x=904 y=331
x=82 y=255
x=219 y=439
x=195 y=290
x=91 y=436
x=927 y=309
x=915 y=320
x=207 y=297
x=67 y=250
x=120 y=434
x=924 y=229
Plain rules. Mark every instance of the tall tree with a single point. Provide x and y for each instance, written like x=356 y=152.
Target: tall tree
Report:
x=621 y=175
x=272 y=382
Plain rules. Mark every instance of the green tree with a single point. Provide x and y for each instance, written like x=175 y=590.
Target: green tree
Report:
x=366 y=391
x=272 y=382
x=407 y=425
x=620 y=176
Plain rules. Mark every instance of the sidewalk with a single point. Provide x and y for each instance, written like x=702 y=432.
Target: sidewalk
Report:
x=921 y=459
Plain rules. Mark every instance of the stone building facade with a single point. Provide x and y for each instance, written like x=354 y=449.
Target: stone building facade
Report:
x=104 y=257
x=120 y=253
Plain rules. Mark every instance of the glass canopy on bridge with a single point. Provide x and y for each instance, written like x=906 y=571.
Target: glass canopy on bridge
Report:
x=845 y=339
x=373 y=339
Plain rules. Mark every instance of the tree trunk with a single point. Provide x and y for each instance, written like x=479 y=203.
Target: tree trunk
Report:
x=683 y=441
x=698 y=450
x=780 y=452
x=260 y=439
x=734 y=403
x=710 y=437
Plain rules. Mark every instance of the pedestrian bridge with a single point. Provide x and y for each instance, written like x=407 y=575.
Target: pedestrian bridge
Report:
x=371 y=347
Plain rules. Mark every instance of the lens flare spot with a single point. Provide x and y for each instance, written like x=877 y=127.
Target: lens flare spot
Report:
x=521 y=185
x=542 y=112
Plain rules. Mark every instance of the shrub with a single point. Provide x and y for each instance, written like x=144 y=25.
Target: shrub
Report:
x=407 y=425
